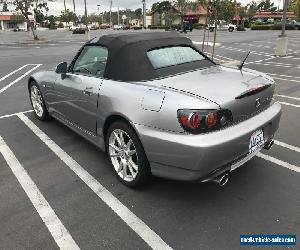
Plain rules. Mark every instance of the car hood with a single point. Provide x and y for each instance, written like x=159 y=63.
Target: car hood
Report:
x=218 y=84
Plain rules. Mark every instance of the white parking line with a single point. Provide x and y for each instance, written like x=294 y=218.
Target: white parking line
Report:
x=289 y=97
x=290 y=104
x=288 y=146
x=19 y=78
x=135 y=223
x=11 y=115
x=279 y=162
x=13 y=72
x=283 y=79
x=206 y=43
x=58 y=231
x=272 y=74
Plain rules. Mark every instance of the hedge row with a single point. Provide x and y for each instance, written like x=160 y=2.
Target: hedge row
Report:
x=272 y=27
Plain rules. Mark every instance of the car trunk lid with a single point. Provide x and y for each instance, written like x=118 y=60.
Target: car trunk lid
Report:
x=244 y=93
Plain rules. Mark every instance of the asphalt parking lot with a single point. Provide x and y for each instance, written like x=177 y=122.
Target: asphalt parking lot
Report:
x=51 y=178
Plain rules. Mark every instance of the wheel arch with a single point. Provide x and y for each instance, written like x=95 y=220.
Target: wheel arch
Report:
x=117 y=117
x=120 y=117
x=30 y=80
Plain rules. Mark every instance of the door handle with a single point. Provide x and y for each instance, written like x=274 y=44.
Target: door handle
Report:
x=88 y=91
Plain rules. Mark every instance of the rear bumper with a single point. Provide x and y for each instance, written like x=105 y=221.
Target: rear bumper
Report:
x=196 y=157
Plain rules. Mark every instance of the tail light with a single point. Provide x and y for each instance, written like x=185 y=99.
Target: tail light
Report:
x=203 y=121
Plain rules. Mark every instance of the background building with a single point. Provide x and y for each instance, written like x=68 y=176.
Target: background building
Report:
x=13 y=19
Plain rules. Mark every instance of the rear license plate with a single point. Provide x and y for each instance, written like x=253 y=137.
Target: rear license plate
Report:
x=256 y=141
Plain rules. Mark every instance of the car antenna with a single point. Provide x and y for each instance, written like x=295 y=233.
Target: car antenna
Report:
x=240 y=67
x=90 y=40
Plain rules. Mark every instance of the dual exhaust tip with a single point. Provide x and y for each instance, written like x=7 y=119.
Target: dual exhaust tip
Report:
x=223 y=178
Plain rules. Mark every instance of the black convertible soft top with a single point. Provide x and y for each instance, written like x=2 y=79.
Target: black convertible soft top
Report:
x=127 y=54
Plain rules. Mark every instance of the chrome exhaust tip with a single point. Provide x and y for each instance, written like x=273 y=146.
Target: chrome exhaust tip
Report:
x=222 y=179
x=269 y=145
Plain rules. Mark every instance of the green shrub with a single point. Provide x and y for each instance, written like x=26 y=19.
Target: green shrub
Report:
x=261 y=27
x=240 y=28
x=279 y=27
x=198 y=26
x=60 y=25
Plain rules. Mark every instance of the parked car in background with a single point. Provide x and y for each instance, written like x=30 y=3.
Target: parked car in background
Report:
x=19 y=28
x=118 y=27
x=185 y=26
x=295 y=24
x=222 y=25
x=79 y=31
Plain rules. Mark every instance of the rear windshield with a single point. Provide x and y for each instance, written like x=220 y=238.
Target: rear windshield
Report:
x=171 y=56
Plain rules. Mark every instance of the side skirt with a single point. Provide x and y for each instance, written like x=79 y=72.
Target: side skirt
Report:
x=97 y=140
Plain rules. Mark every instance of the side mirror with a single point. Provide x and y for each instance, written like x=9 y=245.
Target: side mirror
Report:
x=62 y=68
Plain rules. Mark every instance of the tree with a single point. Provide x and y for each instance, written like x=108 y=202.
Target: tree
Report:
x=266 y=5
x=294 y=5
x=251 y=10
x=67 y=16
x=138 y=13
x=25 y=7
x=5 y=8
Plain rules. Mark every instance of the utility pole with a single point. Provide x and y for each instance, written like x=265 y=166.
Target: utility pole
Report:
x=144 y=14
x=110 y=19
x=282 y=40
x=118 y=17
x=74 y=6
x=67 y=16
x=86 y=21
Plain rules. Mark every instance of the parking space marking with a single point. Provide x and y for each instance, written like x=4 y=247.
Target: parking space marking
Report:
x=272 y=74
x=14 y=114
x=283 y=79
x=289 y=97
x=58 y=231
x=279 y=162
x=134 y=222
x=13 y=72
x=288 y=146
x=19 y=78
x=246 y=51
x=290 y=104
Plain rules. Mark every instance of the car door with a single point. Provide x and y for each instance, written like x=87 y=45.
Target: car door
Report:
x=77 y=92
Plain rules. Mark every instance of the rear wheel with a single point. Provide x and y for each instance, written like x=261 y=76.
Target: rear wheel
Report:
x=37 y=102
x=230 y=29
x=127 y=155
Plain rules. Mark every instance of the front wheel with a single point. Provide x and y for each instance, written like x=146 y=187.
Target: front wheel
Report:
x=37 y=102
x=127 y=155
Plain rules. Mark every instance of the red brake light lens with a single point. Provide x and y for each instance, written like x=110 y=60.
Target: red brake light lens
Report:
x=203 y=121
x=194 y=120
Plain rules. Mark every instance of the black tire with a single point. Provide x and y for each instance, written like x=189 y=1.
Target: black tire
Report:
x=211 y=29
x=144 y=172
x=45 y=115
x=230 y=29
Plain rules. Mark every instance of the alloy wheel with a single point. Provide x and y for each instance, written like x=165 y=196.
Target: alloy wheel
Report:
x=123 y=155
x=37 y=101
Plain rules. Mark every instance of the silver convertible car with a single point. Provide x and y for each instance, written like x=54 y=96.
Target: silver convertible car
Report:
x=158 y=106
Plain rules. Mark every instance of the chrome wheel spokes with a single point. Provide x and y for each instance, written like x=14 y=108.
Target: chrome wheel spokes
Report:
x=37 y=101
x=123 y=155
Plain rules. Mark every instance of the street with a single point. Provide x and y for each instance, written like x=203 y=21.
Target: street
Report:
x=49 y=172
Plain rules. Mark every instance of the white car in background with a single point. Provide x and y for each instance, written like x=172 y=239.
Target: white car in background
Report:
x=222 y=25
